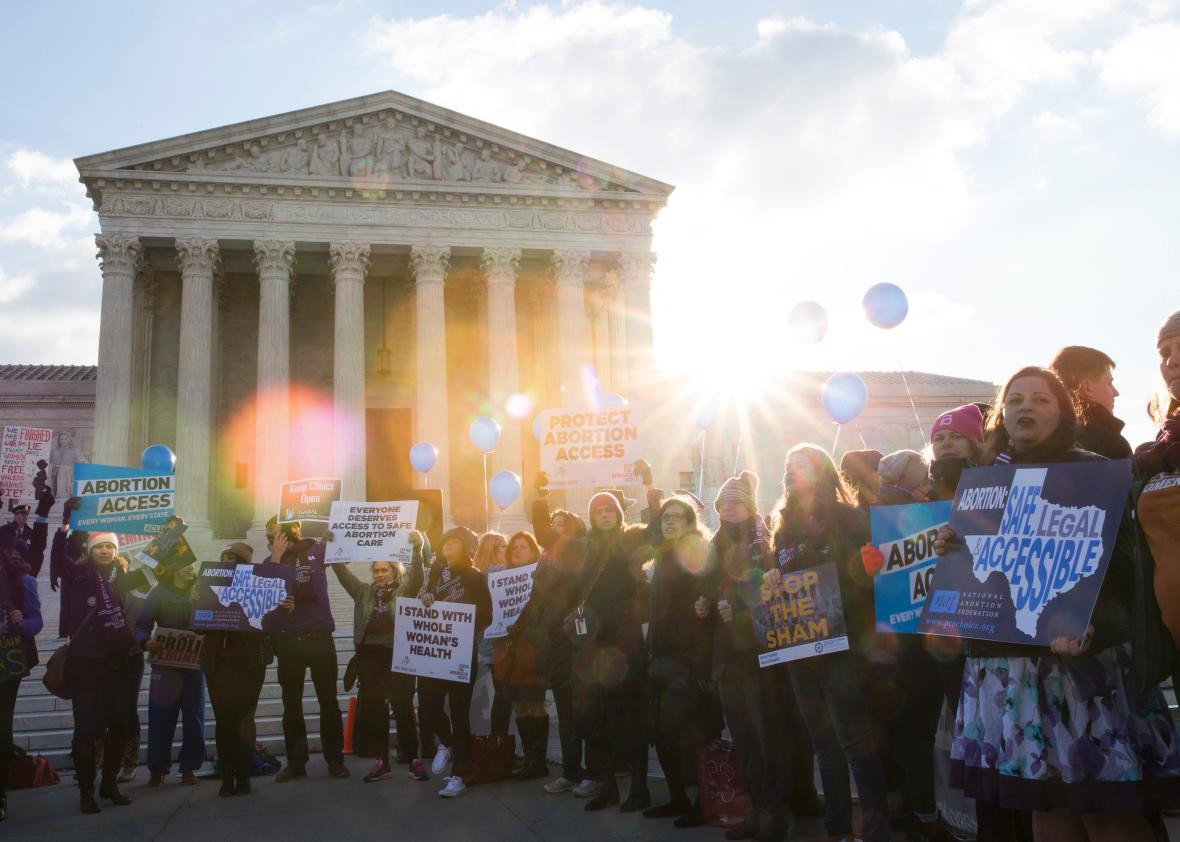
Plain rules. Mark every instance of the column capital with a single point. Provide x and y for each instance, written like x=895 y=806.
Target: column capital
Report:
x=197 y=255
x=349 y=260
x=635 y=267
x=119 y=254
x=500 y=264
x=274 y=257
x=569 y=266
x=429 y=263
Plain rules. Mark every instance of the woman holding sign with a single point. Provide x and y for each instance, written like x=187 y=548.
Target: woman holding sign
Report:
x=174 y=690
x=1069 y=735
x=817 y=525
x=20 y=623
x=374 y=608
x=103 y=685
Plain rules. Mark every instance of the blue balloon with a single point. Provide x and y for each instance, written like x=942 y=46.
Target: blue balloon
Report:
x=484 y=434
x=423 y=455
x=611 y=399
x=706 y=415
x=158 y=457
x=504 y=488
x=845 y=396
x=808 y=321
x=538 y=430
x=886 y=305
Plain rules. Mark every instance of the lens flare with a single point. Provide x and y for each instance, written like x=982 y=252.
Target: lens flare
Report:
x=518 y=406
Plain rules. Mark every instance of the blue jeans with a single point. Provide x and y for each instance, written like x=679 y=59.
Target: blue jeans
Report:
x=831 y=692
x=173 y=691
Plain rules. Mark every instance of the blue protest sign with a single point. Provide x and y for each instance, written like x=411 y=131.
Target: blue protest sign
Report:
x=129 y=501
x=905 y=536
x=1034 y=545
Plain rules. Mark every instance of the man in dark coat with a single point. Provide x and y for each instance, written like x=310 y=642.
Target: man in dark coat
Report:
x=1088 y=374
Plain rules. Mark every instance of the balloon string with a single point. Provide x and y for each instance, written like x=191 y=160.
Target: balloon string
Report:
x=913 y=406
x=836 y=440
x=701 y=478
x=863 y=443
x=487 y=516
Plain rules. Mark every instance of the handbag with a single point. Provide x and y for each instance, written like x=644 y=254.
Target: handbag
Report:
x=26 y=771
x=723 y=791
x=351 y=673
x=491 y=759
x=57 y=667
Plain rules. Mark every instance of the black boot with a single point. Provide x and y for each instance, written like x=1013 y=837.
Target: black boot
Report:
x=638 y=796
x=678 y=803
x=84 y=774
x=608 y=796
x=243 y=777
x=112 y=762
x=534 y=734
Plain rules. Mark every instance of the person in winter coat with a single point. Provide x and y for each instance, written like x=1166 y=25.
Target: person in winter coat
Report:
x=374 y=612
x=1088 y=375
x=234 y=665
x=20 y=623
x=956 y=443
x=490 y=556
x=306 y=645
x=1096 y=752
x=859 y=469
x=816 y=524
x=174 y=690
x=608 y=654
x=452 y=580
x=682 y=713
x=514 y=672
x=103 y=685
x=740 y=555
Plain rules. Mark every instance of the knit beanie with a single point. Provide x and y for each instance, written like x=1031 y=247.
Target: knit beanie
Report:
x=965 y=420
x=740 y=489
x=97 y=538
x=604 y=498
x=468 y=538
x=905 y=469
x=859 y=465
x=1170 y=328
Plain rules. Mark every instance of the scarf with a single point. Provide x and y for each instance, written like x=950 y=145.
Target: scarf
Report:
x=1161 y=455
x=100 y=592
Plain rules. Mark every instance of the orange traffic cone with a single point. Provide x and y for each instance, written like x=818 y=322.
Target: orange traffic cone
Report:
x=349 y=724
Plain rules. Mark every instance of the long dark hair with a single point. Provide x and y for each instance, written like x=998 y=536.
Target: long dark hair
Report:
x=693 y=524
x=1062 y=439
x=830 y=491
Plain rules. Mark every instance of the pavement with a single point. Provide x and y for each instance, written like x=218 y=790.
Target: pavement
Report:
x=320 y=807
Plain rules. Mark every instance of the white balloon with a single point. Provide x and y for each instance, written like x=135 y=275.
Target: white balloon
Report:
x=423 y=455
x=504 y=488
x=484 y=434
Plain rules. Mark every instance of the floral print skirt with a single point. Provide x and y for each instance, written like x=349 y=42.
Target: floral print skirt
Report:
x=1047 y=732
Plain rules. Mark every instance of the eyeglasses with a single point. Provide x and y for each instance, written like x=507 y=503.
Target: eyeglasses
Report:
x=671 y=517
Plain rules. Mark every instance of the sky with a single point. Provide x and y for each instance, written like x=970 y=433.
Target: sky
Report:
x=1011 y=164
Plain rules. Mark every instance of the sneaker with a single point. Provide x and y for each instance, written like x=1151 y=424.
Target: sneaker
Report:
x=337 y=769
x=417 y=771
x=560 y=785
x=379 y=772
x=289 y=773
x=127 y=774
x=453 y=789
x=587 y=789
x=441 y=759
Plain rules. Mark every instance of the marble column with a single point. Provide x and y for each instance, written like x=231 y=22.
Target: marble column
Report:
x=119 y=258
x=569 y=272
x=350 y=262
x=635 y=275
x=429 y=263
x=500 y=266
x=197 y=259
x=275 y=261
x=598 y=300
x=617 y=319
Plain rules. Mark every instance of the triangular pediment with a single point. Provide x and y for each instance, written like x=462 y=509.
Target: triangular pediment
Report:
x=385 y=140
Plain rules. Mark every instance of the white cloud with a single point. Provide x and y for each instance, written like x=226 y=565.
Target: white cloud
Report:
x=13 y=286
x=1143 y=62
x=40 y=227
x=30 y=167
x=51 y=336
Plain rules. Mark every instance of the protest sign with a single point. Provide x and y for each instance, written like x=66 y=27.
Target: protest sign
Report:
x=133 y=501
x=433 y=642
x=1034 y=542
x=369 y=532
x=905 y=536
x=241 y=597
x=803 y=618
x=12 y=656
x=587 y=449
x=20 y=450
x=308 y=500
x=168 y=551
x=510 y=591
x=178 y=648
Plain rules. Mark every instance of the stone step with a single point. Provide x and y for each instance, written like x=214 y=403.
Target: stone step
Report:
x=60 y=758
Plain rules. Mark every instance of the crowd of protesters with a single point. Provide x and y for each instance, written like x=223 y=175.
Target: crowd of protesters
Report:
x=641 y=633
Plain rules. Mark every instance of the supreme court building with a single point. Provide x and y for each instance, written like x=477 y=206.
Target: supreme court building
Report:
x=309 y=294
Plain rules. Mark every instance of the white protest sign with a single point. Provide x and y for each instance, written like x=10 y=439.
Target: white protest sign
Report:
x=20 y=450
x=510 y=591
x=368 y=532
x=582 y=449
x=178 y=648
x=433 y=642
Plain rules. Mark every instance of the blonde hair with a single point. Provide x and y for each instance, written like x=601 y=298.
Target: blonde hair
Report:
x=485 y=550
